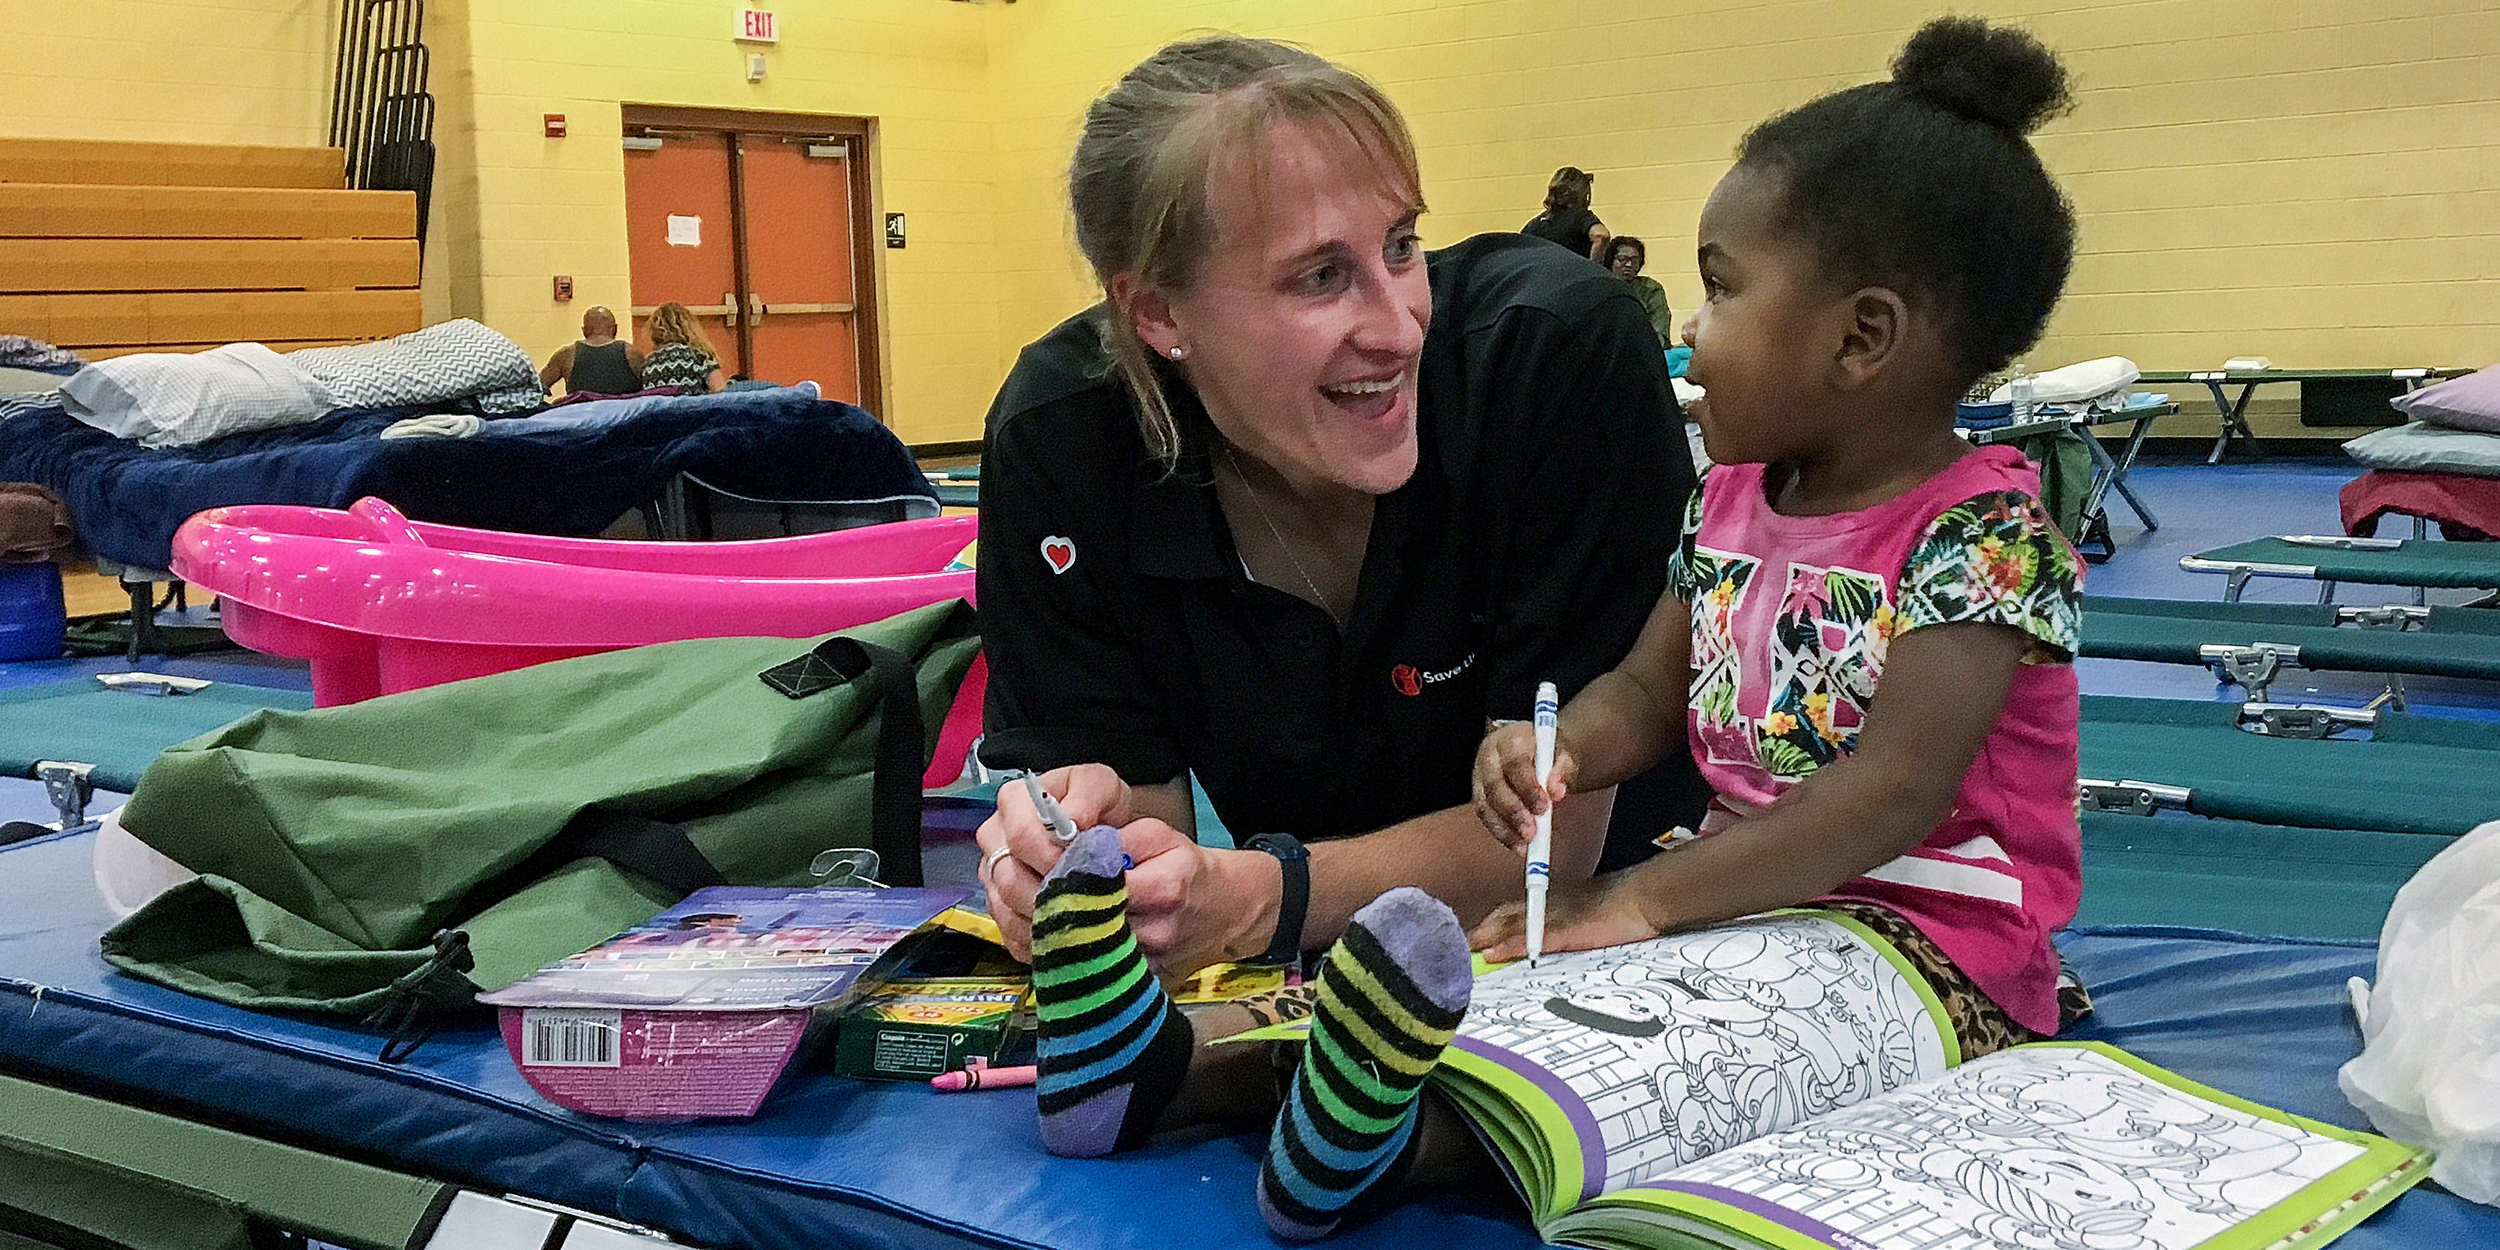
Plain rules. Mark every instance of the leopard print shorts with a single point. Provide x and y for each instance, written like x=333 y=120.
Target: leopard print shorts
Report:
x=1981 y=1025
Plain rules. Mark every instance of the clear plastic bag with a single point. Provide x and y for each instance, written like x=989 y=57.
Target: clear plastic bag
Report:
x=2429 y=1070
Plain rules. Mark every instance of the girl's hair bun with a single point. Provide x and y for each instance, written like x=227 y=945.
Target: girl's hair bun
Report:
x=1995 y=74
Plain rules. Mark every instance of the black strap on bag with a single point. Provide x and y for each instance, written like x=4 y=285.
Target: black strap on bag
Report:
x=440 y=986
x=417 y=1002
x=894 y=809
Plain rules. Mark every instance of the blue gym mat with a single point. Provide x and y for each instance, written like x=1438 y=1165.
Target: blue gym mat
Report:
x=895 y=1166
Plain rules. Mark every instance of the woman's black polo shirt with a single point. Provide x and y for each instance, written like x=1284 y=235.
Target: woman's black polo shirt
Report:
x=1531 y=544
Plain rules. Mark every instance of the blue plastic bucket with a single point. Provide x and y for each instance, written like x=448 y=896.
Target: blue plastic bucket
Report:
x=33 y=617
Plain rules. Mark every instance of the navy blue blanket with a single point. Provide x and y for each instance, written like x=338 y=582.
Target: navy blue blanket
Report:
x=571 y=470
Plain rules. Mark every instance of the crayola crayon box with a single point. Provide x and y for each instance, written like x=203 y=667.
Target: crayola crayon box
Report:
x=913 y=1028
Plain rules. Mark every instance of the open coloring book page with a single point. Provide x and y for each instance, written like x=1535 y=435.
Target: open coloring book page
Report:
x=2045 y=1148
x=1684 y=1046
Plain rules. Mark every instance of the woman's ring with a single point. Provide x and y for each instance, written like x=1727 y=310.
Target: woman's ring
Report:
x=990 y=861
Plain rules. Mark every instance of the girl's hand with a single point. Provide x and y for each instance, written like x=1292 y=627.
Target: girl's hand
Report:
x=1584 y=915
x=1508 y=798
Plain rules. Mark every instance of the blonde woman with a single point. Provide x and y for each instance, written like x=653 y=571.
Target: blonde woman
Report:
x=1291 y=514
x=1299 y=507
x=680 y=356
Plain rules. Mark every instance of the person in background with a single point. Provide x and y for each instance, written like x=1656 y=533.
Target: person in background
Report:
x=1567 y=220
x=1624 y=257
x=600 y=364
x=680 y=355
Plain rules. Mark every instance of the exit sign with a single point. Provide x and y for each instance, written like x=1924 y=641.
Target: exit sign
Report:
x=758 y=26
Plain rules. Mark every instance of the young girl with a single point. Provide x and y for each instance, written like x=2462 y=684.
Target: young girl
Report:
x=1870 y=255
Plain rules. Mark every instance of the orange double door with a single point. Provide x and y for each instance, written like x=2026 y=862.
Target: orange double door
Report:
x=758 y=224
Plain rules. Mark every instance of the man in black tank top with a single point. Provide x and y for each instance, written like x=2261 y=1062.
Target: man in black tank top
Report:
x=601 y=364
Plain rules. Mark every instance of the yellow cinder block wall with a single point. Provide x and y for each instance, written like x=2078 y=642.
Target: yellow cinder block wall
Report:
x=2316 y=182
x=178 y=71
x=540 y=207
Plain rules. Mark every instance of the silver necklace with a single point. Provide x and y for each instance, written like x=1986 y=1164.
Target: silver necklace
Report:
x=1259 y=505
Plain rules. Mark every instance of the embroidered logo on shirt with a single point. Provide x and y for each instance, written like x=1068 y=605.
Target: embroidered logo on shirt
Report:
x=1058 y=553
x=1410 y=680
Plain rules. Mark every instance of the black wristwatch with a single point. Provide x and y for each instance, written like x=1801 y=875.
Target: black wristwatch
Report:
x=1294 y=905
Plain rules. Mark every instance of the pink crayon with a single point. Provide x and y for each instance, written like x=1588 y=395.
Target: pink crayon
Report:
x=985 y=1078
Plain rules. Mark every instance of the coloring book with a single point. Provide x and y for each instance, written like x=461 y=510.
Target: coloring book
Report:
x=1789 y=1081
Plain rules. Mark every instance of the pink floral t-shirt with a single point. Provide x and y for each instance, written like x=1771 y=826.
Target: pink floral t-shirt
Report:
x=1792 y=616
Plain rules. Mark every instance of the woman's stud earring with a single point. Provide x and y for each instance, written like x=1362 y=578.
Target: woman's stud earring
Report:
x=1179 y=352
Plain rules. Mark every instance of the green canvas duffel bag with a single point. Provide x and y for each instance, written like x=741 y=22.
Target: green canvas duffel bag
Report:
x=402 y=854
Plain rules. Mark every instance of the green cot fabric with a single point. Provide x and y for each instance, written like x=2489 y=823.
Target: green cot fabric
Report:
x=2445 y=620
x=73 y=1202
x=2318 y=614
x=144 y=1180
x=2418 y=774
x=2228 y=874
x=332 y=845
x=2288 y=375
x=2413 y=562
x=121 y=734
x=2174 y=640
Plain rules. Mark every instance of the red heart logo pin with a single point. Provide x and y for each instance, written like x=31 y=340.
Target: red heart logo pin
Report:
x=1058 y=553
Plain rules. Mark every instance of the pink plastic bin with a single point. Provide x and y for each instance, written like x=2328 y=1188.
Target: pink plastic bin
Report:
x=381 y=604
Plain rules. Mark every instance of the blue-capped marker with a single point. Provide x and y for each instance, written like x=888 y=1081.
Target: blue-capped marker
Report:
x=1541 y=846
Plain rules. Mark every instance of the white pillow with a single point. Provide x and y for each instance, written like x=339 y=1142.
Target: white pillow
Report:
x=165 y=399
x=2077 y=383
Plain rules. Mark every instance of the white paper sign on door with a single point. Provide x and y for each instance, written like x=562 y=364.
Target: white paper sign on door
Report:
x=685 y=231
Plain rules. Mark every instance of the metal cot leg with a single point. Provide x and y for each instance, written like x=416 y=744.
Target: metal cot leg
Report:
x=2234 y=422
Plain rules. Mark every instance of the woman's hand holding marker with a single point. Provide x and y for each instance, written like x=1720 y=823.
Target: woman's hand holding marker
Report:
x=1087 y=794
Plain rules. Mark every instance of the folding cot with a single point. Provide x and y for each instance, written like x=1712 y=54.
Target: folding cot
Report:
x=2245 y=877
x=2246 y=643
x=2332 y=558
x=2108 y=472
x=958 y=487
x=2413 y=774
x=2235 y=411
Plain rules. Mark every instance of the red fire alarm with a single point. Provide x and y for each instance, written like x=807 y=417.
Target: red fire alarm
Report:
x=564 y=287
x=555 y=125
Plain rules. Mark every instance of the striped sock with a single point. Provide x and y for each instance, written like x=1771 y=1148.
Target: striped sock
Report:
x=1390 y=997
x=1113 y=1047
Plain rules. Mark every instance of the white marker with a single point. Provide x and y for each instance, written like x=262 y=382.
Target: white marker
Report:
x=1541 y=847
x=1055 y=817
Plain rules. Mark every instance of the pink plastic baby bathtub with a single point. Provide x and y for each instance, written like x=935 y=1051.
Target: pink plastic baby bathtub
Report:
x=381 y=604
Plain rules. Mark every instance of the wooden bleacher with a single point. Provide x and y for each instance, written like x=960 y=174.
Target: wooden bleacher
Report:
x=109 y=248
